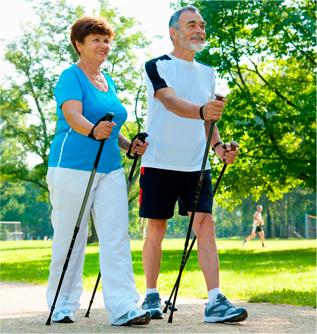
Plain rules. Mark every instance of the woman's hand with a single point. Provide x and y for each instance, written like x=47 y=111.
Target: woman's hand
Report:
x=138 y=147
x=103 y=130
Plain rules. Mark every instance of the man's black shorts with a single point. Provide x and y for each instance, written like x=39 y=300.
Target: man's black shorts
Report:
x=161 y=188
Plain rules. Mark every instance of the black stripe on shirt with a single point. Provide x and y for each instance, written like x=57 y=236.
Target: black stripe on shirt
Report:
x=151 y=70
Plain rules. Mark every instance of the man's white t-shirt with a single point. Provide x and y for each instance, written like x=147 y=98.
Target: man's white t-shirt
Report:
x=175 y=142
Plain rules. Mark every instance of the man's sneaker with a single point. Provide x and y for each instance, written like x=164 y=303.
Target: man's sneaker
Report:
x=224 y=311
x=152 y=304
x=133 y=317
x=63 y=317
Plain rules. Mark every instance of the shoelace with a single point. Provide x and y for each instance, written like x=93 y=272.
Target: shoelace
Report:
x=226 y=301
x=154 y=302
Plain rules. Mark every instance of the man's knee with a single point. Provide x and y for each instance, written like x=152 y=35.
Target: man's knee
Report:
x=203 y=221
x=156 y=229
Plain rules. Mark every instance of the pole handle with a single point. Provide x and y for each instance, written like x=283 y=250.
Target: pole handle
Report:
x=141 y=136
x=108 y=117
x=234 y=145
x=219 y=97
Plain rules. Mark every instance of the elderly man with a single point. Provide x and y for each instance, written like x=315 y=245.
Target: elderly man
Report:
x=181 y=106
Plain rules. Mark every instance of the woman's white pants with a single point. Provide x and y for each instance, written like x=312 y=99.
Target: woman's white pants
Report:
x=109 y=205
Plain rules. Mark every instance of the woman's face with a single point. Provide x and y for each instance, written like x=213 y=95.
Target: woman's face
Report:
x=94 y=48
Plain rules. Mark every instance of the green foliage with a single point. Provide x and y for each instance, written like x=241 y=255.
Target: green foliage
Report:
x=24 y=202
x=26 y=99
x=265 y=52
x=267 y=56
x=272 y=279
x=39 y=55
x=283 y=218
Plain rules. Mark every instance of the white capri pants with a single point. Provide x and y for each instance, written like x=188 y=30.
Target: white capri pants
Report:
x=109 y=204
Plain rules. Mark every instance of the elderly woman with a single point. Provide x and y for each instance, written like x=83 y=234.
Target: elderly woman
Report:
x=84 y=94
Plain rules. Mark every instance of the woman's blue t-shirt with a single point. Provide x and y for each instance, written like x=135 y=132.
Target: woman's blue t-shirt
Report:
x=70 y=149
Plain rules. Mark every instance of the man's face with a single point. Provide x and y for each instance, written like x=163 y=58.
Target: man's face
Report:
x=191 y=34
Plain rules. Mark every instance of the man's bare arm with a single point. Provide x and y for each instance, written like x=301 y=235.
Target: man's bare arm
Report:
x=211 y=110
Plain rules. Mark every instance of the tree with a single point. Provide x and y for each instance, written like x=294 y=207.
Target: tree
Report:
x=267 y=56
x=39 y=55
x=23 y=202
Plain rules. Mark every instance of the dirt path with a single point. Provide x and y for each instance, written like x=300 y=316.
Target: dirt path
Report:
x=23 y=310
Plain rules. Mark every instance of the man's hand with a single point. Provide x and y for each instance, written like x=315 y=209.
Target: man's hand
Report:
x=213 y=109
x=227 y=153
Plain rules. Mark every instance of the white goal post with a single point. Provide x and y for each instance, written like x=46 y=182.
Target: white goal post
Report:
x=310 y=226
x=11 y=230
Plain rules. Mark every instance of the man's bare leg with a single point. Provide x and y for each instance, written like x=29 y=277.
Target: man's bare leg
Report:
x=262 y=237
x=152 y=251
x=204 y=229
x=250 y=237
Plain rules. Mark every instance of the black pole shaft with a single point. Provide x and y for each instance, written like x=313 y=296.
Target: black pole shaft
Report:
x=108 y=117
x=93 y=295
x=142 y=137
x=233 y=146
x=197 y=195
x=135 y=160
x=79 y=219
x=168 y=302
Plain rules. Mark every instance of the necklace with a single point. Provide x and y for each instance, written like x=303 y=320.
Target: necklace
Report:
x=97 y=79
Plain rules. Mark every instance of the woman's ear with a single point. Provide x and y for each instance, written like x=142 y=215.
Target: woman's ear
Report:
x=78 y=46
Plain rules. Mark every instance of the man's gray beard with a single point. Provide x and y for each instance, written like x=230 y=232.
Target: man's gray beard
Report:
x=197 y=47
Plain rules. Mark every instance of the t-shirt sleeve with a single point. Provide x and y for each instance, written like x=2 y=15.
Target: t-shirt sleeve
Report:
x=156 y=74
x=68 y=88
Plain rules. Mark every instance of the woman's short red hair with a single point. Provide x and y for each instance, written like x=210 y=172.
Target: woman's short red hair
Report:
x=87 y=25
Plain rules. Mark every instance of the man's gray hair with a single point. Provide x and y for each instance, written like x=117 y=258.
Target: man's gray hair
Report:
x=175 y=17
x=259 y=206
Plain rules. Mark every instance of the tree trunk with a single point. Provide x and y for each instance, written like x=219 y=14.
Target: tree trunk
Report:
x=268 y=224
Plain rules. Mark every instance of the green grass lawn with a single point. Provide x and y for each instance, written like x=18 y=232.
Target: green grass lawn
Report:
x=283 y=272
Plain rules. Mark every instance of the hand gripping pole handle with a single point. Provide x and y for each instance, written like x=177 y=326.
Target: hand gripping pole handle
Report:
x=108 y=117
x=234 y=145
x=141 y=136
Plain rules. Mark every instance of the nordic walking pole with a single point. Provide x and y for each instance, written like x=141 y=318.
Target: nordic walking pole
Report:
x=142 y=137
x=108 y=117
x=196 y=199
x=234 y=145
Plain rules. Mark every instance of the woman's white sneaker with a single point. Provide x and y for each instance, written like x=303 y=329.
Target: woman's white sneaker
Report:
x=133 y=317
